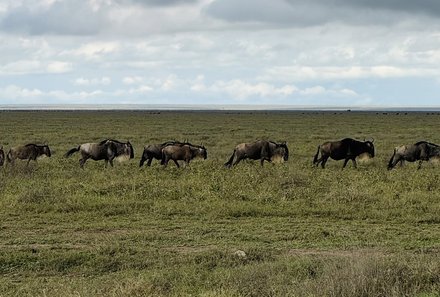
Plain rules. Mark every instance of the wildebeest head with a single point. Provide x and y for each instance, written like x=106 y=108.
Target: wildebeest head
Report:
x=279 y=151
x=45 y=150
x=129 y=149
x=205 y=153
x=284 y=150
x=2 y=156
x=202 y=152
x=122 y=149
x=369 y=147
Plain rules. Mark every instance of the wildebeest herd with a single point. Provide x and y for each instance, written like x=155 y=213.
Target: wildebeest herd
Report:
x=109 y=149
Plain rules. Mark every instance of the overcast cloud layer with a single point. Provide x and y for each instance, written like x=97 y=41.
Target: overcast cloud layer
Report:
x=317 y=52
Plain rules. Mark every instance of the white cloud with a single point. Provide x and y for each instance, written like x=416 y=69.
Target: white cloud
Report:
x=59 y=67
x=94 y=50
x=308 y=73
x=14 y=92
x=23 y=67
x=241 y=90
x=92 y=81
x=131 y=80
x=141 y=90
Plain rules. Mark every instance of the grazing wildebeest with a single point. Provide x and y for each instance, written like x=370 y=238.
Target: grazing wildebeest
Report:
x=2 y=156
x=182 y=151
x=420 y=151
x=259 y=150
x=154 y=151
x=106 y=150
x=347 y=149
x=27 y=152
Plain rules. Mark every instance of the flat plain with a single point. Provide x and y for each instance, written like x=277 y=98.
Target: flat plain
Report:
x=153 y=231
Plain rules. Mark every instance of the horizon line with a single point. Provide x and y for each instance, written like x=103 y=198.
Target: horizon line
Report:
x=210 y=107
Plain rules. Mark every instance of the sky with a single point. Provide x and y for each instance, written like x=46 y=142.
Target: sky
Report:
x=277 y=52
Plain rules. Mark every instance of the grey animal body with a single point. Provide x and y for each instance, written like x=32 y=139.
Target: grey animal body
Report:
x=154 y=151
x=182 y=151
x=259 y=150
x=345 y=149
x=2 y=156
x=420 y=151
x=106 y=150
x=27 y=152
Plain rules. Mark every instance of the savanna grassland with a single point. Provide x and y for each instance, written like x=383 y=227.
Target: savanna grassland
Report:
x=126 y=231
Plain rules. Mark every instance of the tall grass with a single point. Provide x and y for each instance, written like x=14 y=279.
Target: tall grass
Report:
x=171 y=232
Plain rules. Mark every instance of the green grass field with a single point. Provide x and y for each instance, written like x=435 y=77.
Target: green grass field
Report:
x=126 y=231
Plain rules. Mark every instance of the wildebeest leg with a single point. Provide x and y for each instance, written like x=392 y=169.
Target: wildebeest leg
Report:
x=323 y=161
x=420 y=164
x=345 y=162
x=149 y=161
x=262 y=162
x=111 y=162
x=164 y=161
x=354 y=162
x=27 y=164
x=177 y=164
x=317 y=162
x=239 y=158
x=141 y=162
x=82 y=162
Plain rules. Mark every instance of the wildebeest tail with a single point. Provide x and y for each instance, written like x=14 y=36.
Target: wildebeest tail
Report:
x=162 y=159
x=315 y=159
x=390 y=163
x=9 y=157
x=229 y=163
x=71 y=151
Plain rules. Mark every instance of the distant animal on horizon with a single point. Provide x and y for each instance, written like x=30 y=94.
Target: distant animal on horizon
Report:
x=154 y=151
x=259 y=150
x=27 y=152
x=420 y=151
x=107 y=150
x=182 y=151
x=2 y=156
x=345 y=149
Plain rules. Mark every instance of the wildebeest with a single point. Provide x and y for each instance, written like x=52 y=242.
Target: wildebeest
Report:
x=259 y=150
x=106 y=150
x=27 y=152
x=154 y=151
x=420 y=151
x=2 y=156
x=347 y=149
x=182 y=151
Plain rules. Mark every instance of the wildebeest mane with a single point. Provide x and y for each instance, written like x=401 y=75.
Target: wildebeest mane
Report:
x=112 y=140
x=429 y=143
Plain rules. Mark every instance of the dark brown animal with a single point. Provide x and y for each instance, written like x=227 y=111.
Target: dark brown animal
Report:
x=420 y=151
x=2 y=156
x=106 y=150
x=182 y=151
x=345 y=149
x=259 y=150
x=27 y=152
x=154 y=151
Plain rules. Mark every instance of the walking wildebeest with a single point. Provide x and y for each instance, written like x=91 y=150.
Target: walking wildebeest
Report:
x=27 y=152
x=347 y=149
x=106 y=150
x=182 y=151
x=420 y=151
x=259 y=150
x=2 y=156
x=154 y=151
